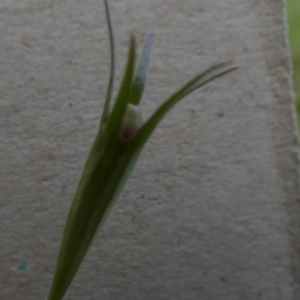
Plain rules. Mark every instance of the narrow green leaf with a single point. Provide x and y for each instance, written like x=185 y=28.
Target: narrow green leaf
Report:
x=211 y=74
x=106 y=109
x=116 y=117
x=200 y=80
x=140 y=79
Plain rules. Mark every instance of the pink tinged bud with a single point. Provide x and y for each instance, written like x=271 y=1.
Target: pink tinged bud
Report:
x=132 y=121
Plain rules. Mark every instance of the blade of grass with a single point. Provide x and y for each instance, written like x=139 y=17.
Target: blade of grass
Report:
x=116 y=117
x=106 y=109
x=205 y=77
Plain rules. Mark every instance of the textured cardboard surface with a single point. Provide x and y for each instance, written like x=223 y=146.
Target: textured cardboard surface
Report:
x=211 y=210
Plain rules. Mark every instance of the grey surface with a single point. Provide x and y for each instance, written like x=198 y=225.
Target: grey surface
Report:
x=212 y=209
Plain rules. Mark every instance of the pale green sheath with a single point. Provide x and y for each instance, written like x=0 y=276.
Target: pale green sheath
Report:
x=117 y=146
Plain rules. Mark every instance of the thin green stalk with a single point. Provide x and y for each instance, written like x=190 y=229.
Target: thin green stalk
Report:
x=110 y=88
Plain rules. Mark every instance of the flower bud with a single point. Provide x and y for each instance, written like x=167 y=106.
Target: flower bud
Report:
x=132 y=121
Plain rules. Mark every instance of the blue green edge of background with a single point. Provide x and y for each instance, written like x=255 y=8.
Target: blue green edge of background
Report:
x=293 y=9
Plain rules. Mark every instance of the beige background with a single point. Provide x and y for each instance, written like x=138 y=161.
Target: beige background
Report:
x=212 y=209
